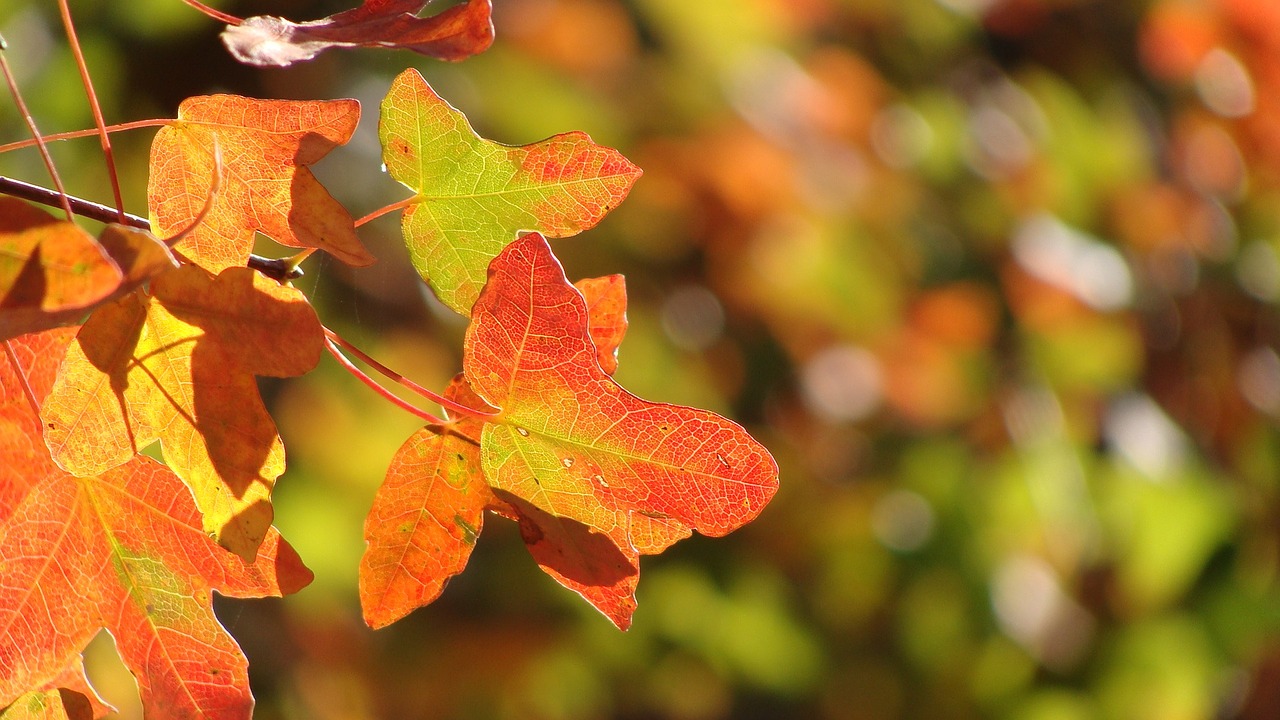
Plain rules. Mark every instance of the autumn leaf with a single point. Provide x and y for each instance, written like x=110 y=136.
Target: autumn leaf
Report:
x=266 y=147
x=49 y=264
x=473 y=195
x=48 y=268
x=124 y=551
x=576 y=444
x=38 y=354
x=178 y=366
x=425 y=517
x=69 y=696
x=457 y=33
x=606 y=299
x=133 y=536
x=38 y=298
x=594 y=476
x=430 y=509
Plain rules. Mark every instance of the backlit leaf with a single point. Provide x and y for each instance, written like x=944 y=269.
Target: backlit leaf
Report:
x=574 y=445
x=266 y=146
x=47 y=266
x=430 y=509
x=178 y=366
x=457 y=33
x=473 y=195
x=123 y=550
x=136 y=253
x=425 y=518
x=607 y=314
x=38 y=356
x=69 y=696
x=653 y=467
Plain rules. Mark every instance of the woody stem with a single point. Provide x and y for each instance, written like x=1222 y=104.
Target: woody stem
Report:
x=276 y=269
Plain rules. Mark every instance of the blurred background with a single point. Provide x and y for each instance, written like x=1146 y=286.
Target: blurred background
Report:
x=995 y=280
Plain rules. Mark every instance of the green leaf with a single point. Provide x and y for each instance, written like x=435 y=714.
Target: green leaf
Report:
x=473 y=195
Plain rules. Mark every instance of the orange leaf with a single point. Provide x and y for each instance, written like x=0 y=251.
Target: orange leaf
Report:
x=574 y=445
x=457 y=33
x=266 y=146
x=123 y=550
x=38 y=356
x=66 y=261
x=425 y=519
x=47 y=266
x=607 y=316
x=67 y=697
x=178 y=366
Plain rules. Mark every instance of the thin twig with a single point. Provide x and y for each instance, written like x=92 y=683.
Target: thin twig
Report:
x=31 y=125
x=378 y=388
x=214 y=13
x=215 y=187
x=92 y=132
x=98 y=120
x=436 y=398
x=277 y=269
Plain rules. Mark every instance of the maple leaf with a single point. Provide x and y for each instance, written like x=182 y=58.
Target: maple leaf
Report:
x=425 y=517
x=37 y=354
x=69 y=696
x=178 y=366
x=595 y=476
x=473 y=195
x=52 y=273
x=644 y=472
x=606 y=299
x=124 y=551
x=265 y=147
x=457 y=33
x=47 y=266
x=429 y=511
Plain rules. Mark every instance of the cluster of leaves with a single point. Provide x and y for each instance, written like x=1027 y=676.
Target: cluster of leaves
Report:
x=114 y=343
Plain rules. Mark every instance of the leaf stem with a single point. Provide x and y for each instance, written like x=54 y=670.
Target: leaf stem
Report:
x=278 y=269
x=387 y=372
x=215 y=187
x=98 y=121
x=400 y=205
x=350 y=367
x=93 y=132
x=214 y=13
x=35 y=132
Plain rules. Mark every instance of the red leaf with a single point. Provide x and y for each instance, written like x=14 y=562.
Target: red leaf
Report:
x=573 y=444
x=457 y=33
x=607 y=316
x=578 y=557
x=124 y=551
x=37 y=355
x=429 y=510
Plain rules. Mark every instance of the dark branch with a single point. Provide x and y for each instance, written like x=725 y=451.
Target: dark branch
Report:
x=278 y=269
